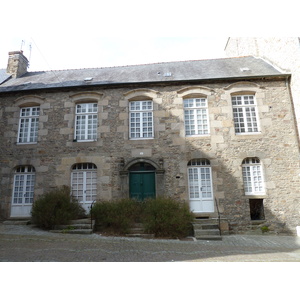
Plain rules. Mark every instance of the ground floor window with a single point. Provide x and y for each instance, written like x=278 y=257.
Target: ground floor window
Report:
x=200 y=185
x=257 y=209
x=23 y=191
x=84 y=183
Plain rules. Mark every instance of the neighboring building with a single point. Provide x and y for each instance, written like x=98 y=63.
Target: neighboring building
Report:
x=207 y=132
x=282 y=52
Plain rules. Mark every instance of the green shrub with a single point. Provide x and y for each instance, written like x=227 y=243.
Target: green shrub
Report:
x=116 y=216
x=56 y=207
x=166 y=217
x=162 y=216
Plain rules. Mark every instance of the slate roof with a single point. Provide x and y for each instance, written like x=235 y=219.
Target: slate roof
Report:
x=3 y=75
x=212 y=69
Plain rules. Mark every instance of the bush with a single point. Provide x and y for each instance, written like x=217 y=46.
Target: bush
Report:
x=162 y=216
x=166 y=217
x=116 y=216
x=56 y=207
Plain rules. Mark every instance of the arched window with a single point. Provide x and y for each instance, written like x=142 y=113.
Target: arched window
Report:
x=253 y=176
x=200 y=185
x=84 y=183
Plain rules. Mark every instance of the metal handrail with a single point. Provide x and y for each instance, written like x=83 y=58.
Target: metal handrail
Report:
x=91 y=214
x=219 y=217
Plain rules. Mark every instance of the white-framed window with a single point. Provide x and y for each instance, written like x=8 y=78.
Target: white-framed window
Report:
x=253 y=176
x=141 y=119
x=196 y=116
x=84 y=182
x=86 y=122
x=245 y=114
x=200 y=185
x=28 y=125
x=23 y=190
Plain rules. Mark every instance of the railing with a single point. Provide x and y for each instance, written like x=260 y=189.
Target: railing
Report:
x=91 y=207
x=219 y=217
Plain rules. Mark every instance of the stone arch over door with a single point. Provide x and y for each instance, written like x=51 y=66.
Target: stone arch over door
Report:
x=135 y=165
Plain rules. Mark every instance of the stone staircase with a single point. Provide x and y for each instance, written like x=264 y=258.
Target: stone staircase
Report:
x=80 y=226
x=138 y=231
x=17 y=221
x=207 y=229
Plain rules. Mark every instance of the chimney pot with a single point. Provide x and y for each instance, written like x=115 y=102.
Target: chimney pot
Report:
x=17 y=63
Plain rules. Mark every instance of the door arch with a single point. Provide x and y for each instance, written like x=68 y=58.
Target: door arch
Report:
x=142 y=181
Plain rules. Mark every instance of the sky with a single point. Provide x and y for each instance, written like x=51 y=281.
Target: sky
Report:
x=110 y=51
x=65 y=34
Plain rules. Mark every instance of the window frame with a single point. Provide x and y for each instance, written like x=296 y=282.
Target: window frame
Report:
x=136 y=113
x=32 y=121
x=81 y=127
x=194 y=109
x=251 y=169
x=88 y=173
x=250 y=126
x=25 y=176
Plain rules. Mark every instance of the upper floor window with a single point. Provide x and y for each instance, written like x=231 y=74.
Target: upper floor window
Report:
x=141 y=119
x=253 y=176
x=245 y=114
x=196 y=116
x=86 y=122
x=28 y=124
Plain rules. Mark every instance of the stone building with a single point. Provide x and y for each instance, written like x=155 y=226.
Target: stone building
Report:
x=219 y=134
x=282 y=52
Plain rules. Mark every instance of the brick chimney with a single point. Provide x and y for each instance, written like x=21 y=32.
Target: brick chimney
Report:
x=17 y=64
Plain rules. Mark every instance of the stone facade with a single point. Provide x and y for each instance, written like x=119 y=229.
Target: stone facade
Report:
x=169 y=151
x=282 y=52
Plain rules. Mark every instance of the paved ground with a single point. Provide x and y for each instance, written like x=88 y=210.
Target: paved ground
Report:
x=25 y=243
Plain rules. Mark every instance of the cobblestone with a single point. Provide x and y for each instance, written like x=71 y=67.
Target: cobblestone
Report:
x=26 y=243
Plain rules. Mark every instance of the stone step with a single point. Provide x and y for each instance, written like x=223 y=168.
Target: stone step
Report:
x=73 y=231
x=205 y=226
x=80 y=226
x=209 y=238
x=206 y=232
x=81 y=221
x=17 y=221
x=73 y=226
x=206 y=221
x=141 y=235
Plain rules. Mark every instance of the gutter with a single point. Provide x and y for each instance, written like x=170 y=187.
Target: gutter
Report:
x=31 y=87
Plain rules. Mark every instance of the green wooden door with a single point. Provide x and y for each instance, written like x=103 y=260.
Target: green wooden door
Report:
x=142 y=185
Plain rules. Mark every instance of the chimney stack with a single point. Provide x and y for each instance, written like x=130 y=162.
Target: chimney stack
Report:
x=17 y=64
